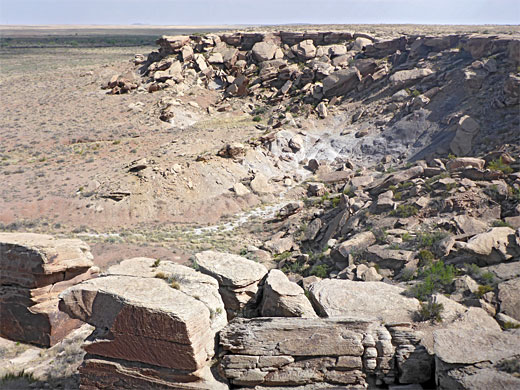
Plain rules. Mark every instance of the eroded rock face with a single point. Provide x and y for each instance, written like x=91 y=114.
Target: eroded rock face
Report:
x=338 y=298
x=238 y=279
x=35 y=260
x=494 y=246
x=151 y=328
x=471 y=359
x=34 y=269
x=121 y=306
x=294 y=351
x=195 y=284
x=283 y=298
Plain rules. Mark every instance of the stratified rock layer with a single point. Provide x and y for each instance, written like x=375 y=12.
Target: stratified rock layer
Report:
x=34 y=269
x=155 y=326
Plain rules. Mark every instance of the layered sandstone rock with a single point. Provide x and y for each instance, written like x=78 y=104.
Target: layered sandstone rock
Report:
x=155 y=326
x=476 y=359
x=283 y=298
x=294 y=351
x=34 y=269
x=238 y=279
x=337 y=298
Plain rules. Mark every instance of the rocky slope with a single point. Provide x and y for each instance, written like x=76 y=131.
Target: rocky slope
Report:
x=397 y=165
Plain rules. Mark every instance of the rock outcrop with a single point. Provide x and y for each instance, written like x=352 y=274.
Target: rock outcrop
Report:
x=152 y=327
x=294 y=351
x=34 y=269
x=283 y=298
x=338 y=298
x=238 y=280
x=476 y=359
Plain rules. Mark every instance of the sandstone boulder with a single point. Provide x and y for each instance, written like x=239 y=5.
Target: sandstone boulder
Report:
x=143 y=320
x=34 y=269
x=403 y=77
x=305 y=50
x=35 y=260
x=264 y=51
x=283 y=298
x=458 y=353
x=341 y=82
x=355 y=244
x=337 y=298
x=494 y=246
x=294 y=351
x=509 y=298
x=185 y=279
x=237 y=276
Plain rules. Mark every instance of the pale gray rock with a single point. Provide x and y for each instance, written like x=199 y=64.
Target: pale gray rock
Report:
x=283 y=298
x=230 y=270
x=406 y=76
x=264 y=51
x=357 y=243
x=509 y=298
x=497 y=245
x=260 y=185
x=338 y=298
x=469 y=358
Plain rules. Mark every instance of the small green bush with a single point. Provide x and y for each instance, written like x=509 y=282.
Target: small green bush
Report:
x=500 y=223
x=426 y=257
x=320 y=271
x=428 y=240
x=431 y=311
x=436 y=278
x=498 y=165
x=257 y=118
x=511 y=325
x=156 y=263
x=482 y=290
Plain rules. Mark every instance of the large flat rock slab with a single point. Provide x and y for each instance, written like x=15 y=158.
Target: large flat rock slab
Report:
x=474 y=359
x=230 y=270
x=272 y=336
x=195 y=284
x=35 y=260
x=34 y=269
x=340 y=298
x=142 y=319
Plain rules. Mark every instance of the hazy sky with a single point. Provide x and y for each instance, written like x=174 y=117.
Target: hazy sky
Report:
x=200 y=12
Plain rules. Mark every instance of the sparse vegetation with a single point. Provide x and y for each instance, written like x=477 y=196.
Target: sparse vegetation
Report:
x=499 y=165
x=431 y=310
x=321 y=271
x=435 y=278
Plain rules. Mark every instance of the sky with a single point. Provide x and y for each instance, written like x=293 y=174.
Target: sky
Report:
x=221 y=12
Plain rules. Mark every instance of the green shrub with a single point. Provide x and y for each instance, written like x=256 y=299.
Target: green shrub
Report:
x=431 y=311
x=156 y=263
x=498 y=165
x=428 y=240
x=482 y=290
x=406 y=237
x=321 y=271
x=257 y=118
x=426 y=257
x=511 y=325
x=500 y=223
x=436 y=278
